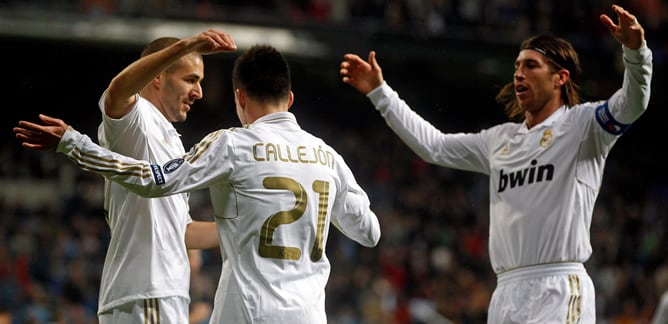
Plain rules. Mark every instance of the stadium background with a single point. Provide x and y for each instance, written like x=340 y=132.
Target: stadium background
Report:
x=447 y=58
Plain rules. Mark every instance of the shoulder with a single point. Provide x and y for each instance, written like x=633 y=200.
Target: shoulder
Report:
x=501 y=129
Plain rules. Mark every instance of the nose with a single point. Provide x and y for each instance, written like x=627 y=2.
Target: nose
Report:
x=518 y=75
x=197 y=90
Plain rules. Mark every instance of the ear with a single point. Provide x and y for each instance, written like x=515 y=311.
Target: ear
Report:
x=563 y=77
x=157 y=81
x=291 y=99
x=240 y=97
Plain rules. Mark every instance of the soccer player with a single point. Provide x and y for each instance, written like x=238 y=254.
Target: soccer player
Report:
x=146 y=275
x=275 y=190
x=545 y=170
x=661 y=312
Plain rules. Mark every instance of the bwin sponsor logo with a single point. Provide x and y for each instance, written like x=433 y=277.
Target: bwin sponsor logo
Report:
x=526 y=176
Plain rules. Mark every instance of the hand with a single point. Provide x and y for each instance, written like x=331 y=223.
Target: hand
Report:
x=628 y=31
x=41 y=137
x=363 y=76
x=211 y=41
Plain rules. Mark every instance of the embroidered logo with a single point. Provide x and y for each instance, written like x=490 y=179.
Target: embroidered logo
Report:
x=158 y=177
x=546 y=140
x=172 y=165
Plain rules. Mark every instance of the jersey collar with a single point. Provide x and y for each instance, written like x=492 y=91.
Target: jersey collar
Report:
x=556 y=115
x=278 y=117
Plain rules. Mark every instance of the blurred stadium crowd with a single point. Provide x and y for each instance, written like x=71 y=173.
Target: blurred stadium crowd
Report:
x=431 y=265
x=424 y=17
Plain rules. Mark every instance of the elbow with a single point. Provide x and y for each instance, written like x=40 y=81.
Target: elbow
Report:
x=373 y=240
x=374 y=235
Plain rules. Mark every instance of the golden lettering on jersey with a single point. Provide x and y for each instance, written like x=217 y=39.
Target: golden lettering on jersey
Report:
x=292 y=154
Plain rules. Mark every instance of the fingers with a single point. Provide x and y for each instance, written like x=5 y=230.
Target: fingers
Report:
x=608 y=22
x=372 y=60
x=624 y=16
x=227 y=40
x=26 y=127
x=30 y=139
x=624 y=19
x=626 y=30
x=52 y=121
x=212 y=41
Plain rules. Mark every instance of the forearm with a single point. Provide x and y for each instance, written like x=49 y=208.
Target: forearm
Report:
x=353 y=215
x=201 y=235
x=628 y=103
x=420 y=135
x=135 y=175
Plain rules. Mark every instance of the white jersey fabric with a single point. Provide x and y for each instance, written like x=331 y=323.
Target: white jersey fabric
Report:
x=544 y=180
x=147 y=257
x=661 y=312
x=274 y=189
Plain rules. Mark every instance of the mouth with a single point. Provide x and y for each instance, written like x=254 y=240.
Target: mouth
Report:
x=520 y=90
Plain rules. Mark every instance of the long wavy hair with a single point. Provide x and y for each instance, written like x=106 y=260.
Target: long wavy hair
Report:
x=560 y=54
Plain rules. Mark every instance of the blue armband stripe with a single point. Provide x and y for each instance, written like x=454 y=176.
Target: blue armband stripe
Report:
x=158 y=177
x=608 y=122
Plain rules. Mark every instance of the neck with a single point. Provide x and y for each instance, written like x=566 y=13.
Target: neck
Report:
x=533 y=118
x=255 y=110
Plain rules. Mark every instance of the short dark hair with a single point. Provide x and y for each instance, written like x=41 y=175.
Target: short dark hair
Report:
x=263 y=73
x=158 y=44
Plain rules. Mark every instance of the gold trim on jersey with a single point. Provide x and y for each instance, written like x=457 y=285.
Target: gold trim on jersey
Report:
x=574 y=301
x=201 y=147
x=94 y=163
x=151 y=311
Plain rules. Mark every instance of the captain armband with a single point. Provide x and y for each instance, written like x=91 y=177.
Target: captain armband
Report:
x=608 y=122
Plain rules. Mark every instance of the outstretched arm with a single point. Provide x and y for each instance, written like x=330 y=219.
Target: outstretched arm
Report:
x=192 y=171
x=41 y=137
x=361 y=75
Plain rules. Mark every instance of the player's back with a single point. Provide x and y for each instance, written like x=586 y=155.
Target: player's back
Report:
x=273 y=216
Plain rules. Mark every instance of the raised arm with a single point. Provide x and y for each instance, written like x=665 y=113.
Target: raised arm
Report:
x=628 y=103
x=120 y=96
x=361 y=75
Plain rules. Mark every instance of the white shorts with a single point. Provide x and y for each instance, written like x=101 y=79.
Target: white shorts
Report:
x=165 y=310
x=551 y=293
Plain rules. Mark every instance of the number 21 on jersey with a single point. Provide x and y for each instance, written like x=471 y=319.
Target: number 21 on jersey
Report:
x=267 y=249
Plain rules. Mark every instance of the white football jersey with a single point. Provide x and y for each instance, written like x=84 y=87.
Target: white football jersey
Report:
x=275 y=189
x=147 y=257
x=543 y=181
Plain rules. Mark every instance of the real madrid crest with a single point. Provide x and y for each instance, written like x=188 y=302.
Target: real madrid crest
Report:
x=546 y=140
